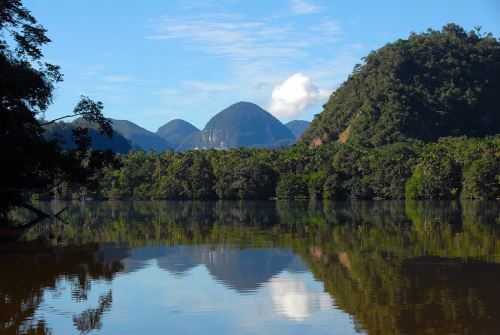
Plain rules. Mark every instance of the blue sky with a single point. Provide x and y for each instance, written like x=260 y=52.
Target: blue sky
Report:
x=150 y=61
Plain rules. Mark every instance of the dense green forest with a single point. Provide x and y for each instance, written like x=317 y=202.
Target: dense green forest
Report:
x=433 y=84
x=419 y=119
x=450 y=168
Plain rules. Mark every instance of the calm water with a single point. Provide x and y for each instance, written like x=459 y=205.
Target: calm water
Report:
x=255 y=268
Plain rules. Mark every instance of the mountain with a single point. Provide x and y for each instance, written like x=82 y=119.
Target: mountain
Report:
x=297 y=127
x=140 y=137
x=434 y=84
x=62 y=132
x=242 y=124
x=176 y=131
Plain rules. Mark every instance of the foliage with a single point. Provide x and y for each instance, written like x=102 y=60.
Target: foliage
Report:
x=29 y=162
x=447 y=169
x=457 y=166
x=434 y=84
x=292 y=186
x=482 y=179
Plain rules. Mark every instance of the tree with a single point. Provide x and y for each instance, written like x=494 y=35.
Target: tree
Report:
x=292 y=186
x=29 y=162
x=433 y=84
x=482 y=179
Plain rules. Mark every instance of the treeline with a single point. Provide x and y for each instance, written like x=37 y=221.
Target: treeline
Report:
x=433 y=84
x=453 y=167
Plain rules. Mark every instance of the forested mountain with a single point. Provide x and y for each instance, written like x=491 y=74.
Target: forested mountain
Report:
x=241 y=124
x=140 y=137
x=176 y=131
x=297 y=127
x=431 y=85
x=62 y=131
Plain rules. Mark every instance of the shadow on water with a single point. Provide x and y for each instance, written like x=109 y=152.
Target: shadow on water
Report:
x=395 y=267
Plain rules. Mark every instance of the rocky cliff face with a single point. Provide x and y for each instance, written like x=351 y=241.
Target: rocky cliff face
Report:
x=241 y=124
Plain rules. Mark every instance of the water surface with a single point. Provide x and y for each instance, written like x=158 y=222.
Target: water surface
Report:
x=255 y=268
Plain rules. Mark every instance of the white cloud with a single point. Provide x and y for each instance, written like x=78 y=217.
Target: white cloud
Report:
x=117 y=79
x=291 y=97
x=226 y=35
x=257 y=52
x=242 y=40
x=304 y=7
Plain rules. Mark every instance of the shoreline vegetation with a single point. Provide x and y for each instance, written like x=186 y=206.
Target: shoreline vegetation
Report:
x=452 y=168
x=418 y=119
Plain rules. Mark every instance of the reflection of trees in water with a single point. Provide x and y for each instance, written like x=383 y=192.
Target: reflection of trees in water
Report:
x=29 y=269
x=367 y=254
x=451 y=229
x=90 y=319
x=412 y=296
x=377 y=273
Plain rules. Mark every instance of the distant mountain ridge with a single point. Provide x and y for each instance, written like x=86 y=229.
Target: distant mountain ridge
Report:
x=176 y=131
x=62 y=132
x=297 y=127
x=140 y=137
x=241 y=124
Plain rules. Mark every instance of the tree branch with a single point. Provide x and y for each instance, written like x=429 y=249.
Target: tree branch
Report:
x=59 y=118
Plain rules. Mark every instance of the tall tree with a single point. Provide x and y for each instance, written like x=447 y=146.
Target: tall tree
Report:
x=28 y=161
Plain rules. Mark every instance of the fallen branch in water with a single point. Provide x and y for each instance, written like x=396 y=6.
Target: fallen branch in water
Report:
x=61 y=211
x=40 y=215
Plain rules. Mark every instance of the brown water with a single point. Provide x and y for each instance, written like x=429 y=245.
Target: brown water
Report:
x=255 y=268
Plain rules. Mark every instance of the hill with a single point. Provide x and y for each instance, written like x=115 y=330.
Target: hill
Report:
x=176 y=131
x=435 y=84
x=297 y=127
x=241 y=124
x=140 y=137
x=62 y=132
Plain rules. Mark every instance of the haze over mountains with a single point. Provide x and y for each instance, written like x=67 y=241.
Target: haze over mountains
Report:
x=297 y=127
x=242 y=124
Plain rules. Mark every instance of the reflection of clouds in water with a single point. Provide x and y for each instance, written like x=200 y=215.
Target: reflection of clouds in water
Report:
x=295 y=299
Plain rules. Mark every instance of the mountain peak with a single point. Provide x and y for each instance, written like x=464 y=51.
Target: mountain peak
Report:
x=139 y=136
x=176 y=131
x=241 y=124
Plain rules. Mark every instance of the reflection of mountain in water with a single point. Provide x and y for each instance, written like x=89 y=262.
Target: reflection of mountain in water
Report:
x=140 y=256
x=239 y=269
x=248 y=269
x=180 y=259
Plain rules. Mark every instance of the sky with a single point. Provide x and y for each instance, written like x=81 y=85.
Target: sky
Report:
x=151 y=61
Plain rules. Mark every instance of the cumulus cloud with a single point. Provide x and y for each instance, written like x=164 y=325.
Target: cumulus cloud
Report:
x=291 y=97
